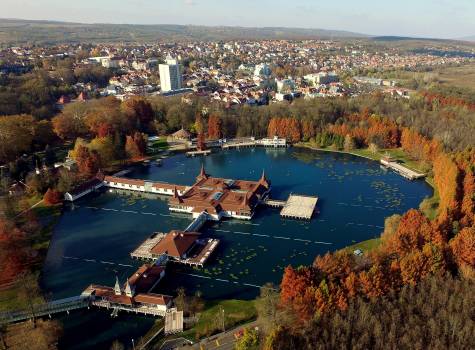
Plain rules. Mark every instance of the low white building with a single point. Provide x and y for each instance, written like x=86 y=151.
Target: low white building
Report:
x=273 y=142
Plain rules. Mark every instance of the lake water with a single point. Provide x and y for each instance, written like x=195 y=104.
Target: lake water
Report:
x=93 y=239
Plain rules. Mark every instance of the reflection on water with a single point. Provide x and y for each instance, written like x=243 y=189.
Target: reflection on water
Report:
x=94 y=237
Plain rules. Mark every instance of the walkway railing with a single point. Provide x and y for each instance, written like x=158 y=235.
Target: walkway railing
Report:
x=198 y=223
x=54 y=307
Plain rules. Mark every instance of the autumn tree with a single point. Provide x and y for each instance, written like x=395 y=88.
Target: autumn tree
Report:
x=88 y=161
x=16 y=136
x=267 y=305
x=70 y=123
x=249 y=340
x=105 y=148
x=413 y=231
x=468 y=199
x=135 y=146
x=447 y=177
x=298 y=290
x=288 y=128
x=214 y=127
x=349 y=144
x=139 y=113
x=463 y=247
x=52 y=197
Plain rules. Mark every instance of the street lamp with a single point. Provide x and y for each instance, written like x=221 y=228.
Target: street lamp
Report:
x=133 y=344
x=224 y=327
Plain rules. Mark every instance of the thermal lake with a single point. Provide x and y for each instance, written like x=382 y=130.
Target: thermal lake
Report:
x=94 y=237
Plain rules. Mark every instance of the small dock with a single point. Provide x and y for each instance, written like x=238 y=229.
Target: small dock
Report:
x=299 y=207
x=239 y=145
x=198 y=153
x=401 y=169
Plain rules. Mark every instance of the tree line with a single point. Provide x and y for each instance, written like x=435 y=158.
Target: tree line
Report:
x=435 y=314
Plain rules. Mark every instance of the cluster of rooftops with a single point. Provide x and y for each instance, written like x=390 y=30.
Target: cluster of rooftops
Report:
x=213 y=197
x=220 y=197
x=136 y=291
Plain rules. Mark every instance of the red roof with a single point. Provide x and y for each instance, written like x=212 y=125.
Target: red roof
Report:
x=176 y=243
x=151 y=298
x=144 y=279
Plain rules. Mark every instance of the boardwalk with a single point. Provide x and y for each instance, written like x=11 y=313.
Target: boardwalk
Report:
x=402 y=170
x=47 y=309
x=239 y=144
x=198 y=153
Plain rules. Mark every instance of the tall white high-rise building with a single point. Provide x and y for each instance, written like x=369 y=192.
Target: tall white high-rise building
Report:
x=170 y=75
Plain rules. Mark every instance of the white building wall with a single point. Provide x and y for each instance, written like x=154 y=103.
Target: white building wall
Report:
x=170 y=77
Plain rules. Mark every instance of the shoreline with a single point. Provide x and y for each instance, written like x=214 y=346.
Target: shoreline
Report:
x=303 y=145
x=371 y=243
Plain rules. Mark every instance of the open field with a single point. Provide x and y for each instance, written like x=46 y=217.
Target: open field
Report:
x=235 y=312
x=365 y=246
x=461 y=77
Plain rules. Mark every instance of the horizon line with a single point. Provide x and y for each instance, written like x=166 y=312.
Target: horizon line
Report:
x=465 y=38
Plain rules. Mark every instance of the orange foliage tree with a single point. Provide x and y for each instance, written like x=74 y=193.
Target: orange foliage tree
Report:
x=52 y=197
x=447 y=177
x=88 y=161
x=413 y=231
x=463 y=247
x=136 y=145
x=288 y=128
x=214 y=127
x=418 y=146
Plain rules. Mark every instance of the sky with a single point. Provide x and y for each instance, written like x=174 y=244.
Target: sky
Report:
x=416 y=18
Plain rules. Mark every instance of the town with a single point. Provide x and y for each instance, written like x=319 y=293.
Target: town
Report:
x=231 y=73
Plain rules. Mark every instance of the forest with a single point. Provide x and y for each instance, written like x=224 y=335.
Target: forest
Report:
x=435 y=314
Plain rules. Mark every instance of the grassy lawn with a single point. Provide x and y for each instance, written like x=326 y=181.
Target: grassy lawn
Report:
x=365 y=246
x=430 y=206
x=160 y=145
x=236 y=312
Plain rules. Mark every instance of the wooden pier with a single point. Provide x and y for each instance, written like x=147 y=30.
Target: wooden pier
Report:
x=198 y=153
x=299 y=207
x=246 y=144
x=401 y=169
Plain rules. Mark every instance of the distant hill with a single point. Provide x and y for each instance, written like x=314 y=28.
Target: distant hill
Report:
x=408 y=38
x=16 y=31
x=468 y=38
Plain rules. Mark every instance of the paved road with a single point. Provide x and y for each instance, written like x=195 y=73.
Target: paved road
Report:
x=223 y=341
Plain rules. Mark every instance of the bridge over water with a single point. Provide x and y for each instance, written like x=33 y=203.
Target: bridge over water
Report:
x=47 y=309
x=74 y=303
